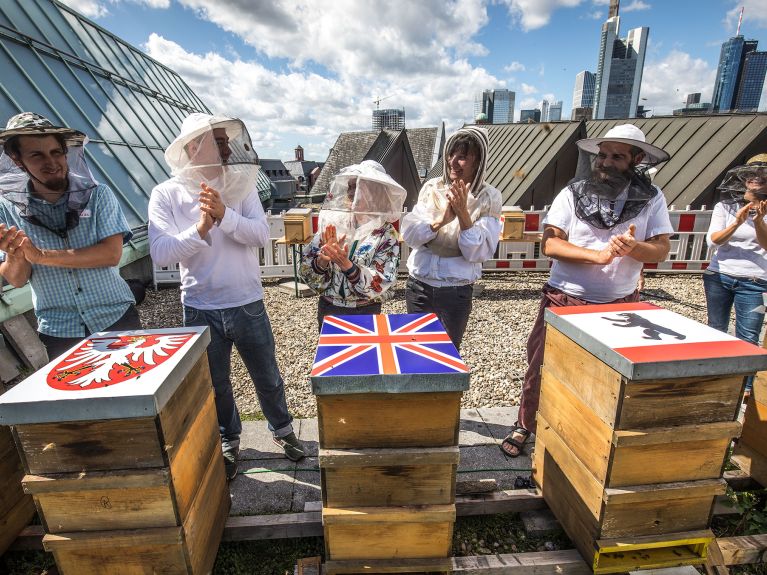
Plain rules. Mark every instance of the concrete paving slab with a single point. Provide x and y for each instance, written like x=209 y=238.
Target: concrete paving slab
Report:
x=262 y=487
x=256 y=442
x=309 y=435
x=307 y=484
x=473 y=430
x=499 y=419
x=488 y=462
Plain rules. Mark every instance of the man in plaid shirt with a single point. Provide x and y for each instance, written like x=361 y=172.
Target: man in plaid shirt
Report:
x=63 y=232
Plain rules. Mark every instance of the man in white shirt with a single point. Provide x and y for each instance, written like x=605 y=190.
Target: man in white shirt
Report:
x=208 y=217
x=600 y=230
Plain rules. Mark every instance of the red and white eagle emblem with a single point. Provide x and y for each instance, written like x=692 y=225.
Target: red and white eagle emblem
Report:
x=109 y=360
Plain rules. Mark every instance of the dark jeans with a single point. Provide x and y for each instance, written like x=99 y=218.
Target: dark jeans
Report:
x=248 y=328
x=55 y=346
x=451 y=304
x=324 y=308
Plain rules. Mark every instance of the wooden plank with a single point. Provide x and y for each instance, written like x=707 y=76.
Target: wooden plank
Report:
x=11 y=473
x=14 y=520
x=652 y=552
x=192 y=453
x=372 y=515
x=283 y=526
x=743 y=550
x=470 y=486
x=25 y=342
x=740 y=481
x=681 y=433
x=309 y=566
x=750 y=462
x=388 y=540
x=122 y=479
x=204 y=524
x=664 y=491
x=656 y=403
x=596 y=384
x=754 y=434
x=388 y=420
x=90 y=445
x=567 y=562
x=9 y=365
x=389 y=485
x=584 y=434
x=389 y=456
x=658 y=517
x=714 y=561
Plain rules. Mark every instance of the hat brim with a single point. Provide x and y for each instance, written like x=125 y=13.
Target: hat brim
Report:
x=653 y=154
x=384 y=179
x=232 y=126
x=73 y=137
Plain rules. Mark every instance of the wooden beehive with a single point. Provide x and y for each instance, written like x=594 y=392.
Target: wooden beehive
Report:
x=638 y=407
x=750 y=453
x=298 y=225
x=388 y=401
x=120 y=443
x=513 y=223
x=16 y=508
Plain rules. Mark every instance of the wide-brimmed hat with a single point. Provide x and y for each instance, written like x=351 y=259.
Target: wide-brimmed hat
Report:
x=195 y=125
x=31 y=124
x=372 y=171
x=626 y=134
x=758 y=160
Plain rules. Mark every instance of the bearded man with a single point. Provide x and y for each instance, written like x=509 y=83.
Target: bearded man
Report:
x=600 y=230
x=63 y=232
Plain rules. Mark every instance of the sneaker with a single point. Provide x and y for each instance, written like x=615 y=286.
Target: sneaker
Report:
x=230 y=464
x=291 y=446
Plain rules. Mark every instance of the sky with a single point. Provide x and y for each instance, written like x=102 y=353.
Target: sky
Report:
x=303 y=71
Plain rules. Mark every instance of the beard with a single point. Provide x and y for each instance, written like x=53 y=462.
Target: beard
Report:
x=610 y=180
x=56 y=184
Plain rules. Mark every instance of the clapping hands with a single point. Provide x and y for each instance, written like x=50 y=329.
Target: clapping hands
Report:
x=333 y=249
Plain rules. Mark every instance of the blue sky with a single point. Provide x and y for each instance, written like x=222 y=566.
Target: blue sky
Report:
x=302 y=71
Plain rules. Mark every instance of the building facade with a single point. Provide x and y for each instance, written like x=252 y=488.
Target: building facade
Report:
x=728 y=73
x=554 y=112
x=528 y=116
x=389 y=119
x=583 y=93
x=619 y=71
x=751 y=82
x=497 y=105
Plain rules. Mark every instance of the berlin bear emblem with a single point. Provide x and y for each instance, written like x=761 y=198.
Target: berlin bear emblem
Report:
x=108 y=360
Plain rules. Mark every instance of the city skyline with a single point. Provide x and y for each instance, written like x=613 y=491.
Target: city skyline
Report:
x=302 y=72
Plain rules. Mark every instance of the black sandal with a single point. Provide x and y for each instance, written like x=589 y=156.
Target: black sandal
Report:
x=509 y=440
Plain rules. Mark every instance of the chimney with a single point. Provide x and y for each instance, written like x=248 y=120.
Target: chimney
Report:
x=299 y=153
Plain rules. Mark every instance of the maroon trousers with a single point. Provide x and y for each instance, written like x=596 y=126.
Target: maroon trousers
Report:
x=531 y=388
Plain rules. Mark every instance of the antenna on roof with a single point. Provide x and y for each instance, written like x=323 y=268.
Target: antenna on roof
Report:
x=740 y=20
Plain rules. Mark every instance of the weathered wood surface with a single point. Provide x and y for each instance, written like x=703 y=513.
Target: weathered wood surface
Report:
x=16 y=508
x=25 y=342
x=388 y=456
x=388 y=540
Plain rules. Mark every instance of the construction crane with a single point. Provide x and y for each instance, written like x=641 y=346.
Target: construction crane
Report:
x=379 y=100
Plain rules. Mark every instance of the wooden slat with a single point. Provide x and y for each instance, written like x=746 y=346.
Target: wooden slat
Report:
x=388 y=420
x=750 y=462
x=678 y=434
x=125 y=538
x=663 y=491
x=388 y=540
x=389 y=456
x=90 y=445
x=283 y=526
x=25 y=342
x=754 y=434
x=370 y=515
x=13 y=521
x=743 y=550
x=122 y=479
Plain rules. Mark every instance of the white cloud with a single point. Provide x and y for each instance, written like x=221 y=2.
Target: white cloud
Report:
x=754 y=15
x=528 y=89
x=666 y=83
x=532 y=14
x=596 y=15
x=89 y=8
x=635 y=6
x=515 y=67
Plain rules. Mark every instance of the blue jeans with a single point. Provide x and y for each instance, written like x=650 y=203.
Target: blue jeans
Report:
x=248 y=328
x=723 y=292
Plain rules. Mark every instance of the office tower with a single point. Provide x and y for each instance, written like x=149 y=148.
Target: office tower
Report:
x=544 y=111
x=751 y=82
x=619 y=70
x=527 y=116
x=583 y=93
x=497 y=105
x=555 y=112
x=390 y=119
x=692 y=99
x=728 y=74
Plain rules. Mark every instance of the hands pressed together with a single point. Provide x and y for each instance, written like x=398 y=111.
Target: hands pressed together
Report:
x=620 y=245
x=457 y=198
x=212 y=209
x=333 y=250
x=17 y=246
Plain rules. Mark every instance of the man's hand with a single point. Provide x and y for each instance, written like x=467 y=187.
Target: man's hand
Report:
x=204 y=224
x=32 y=253
x=211 y=202
x=11 y=242
x=624 y=244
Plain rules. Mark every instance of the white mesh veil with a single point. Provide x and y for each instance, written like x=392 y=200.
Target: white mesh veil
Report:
x=217 y=151
x=362 y=198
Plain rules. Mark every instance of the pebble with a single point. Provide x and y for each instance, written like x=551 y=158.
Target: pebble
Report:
x=494 y=346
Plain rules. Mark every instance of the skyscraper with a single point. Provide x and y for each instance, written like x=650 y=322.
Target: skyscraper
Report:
x=728 y=74
x=619 y=69
x=555 y=111
x=544 y=111
x=583 y=93
x=751 y=82
x=497 y=105
x=390 y=119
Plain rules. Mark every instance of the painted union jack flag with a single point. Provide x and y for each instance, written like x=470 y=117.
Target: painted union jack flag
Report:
x=385 y=344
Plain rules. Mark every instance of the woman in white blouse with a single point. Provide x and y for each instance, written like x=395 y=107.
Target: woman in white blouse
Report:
x=737 y=274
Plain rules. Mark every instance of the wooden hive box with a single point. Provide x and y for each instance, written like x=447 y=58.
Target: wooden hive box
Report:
x=121 y=434
x=637 y=411
x=388 y=400
x=750 y=453
x=298 y=225
x=16 y=508
x=513 y=223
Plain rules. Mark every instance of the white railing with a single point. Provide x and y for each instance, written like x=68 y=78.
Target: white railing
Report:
x=689 y=252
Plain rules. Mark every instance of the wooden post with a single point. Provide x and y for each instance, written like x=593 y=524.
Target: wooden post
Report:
x=120 y=444
x=638 y=408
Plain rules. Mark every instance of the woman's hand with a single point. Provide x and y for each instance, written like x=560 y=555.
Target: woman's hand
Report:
x=761 y=209
x=458 y=197
x=447 y=216
x=742 y=214
x=338 y=253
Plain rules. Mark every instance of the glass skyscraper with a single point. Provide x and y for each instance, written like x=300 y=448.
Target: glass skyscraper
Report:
x=583 y=93
x=751 y=82
x=497 y=105
x=59 y=64
x=728 y=74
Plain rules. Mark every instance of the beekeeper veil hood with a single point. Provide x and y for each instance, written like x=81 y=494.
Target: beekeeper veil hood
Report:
x=752 y=177
x=470 y=139
x=217 y=151
x=362 y=198
x=18 y=182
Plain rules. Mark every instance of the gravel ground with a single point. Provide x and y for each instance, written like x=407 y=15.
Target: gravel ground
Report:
x=494 y=344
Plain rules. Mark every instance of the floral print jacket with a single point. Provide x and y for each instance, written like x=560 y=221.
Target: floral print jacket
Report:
x=376 y=256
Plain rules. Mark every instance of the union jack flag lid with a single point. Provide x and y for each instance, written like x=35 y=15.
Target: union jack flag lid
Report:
x=396 y=353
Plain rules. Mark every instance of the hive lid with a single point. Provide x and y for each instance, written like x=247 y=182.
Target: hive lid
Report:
x=109 y=375
x=396 y=353
x=643 y=341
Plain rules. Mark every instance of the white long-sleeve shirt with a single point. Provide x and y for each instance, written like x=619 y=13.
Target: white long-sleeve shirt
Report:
x=220 y=271
x=741 y=255
x=477 y=245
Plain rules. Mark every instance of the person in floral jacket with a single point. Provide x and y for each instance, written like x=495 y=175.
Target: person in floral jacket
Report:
x=353 y=258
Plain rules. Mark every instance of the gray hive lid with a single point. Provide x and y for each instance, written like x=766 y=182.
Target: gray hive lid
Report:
x=643 y=341
x=109 y=375
x=396 y=353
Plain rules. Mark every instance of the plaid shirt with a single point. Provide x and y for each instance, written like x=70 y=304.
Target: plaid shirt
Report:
x=75 y=302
